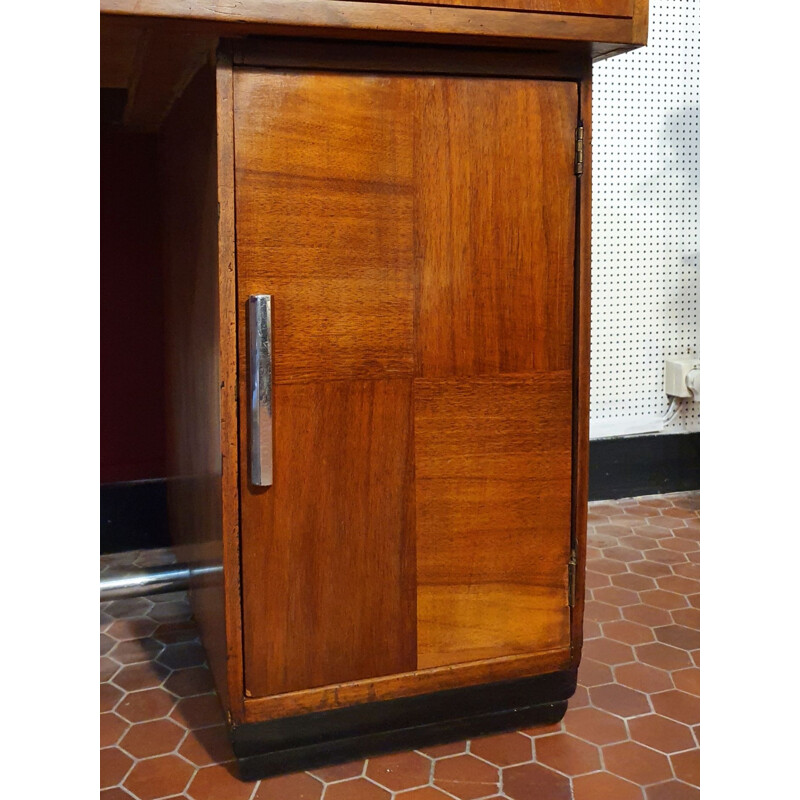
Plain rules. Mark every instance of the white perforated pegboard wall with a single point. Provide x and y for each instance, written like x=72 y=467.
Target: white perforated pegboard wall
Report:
x=645 y=256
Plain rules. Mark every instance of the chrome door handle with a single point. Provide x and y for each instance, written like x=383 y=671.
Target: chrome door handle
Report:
x=259 y=347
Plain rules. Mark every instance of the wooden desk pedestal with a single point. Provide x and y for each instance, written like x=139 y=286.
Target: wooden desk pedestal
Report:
x=418 y=213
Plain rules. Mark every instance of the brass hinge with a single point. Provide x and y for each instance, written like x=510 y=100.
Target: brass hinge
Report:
x=579 y=150
x=572 y=573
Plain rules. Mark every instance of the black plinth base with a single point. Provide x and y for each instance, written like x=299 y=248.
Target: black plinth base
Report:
x=344 y=734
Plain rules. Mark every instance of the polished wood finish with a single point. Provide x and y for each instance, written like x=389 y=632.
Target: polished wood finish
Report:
x=493 y=509
x=491 y=576
x=324 y=225
x=378 y=20
x=581 y=361
x=324 y=222
x=327 y=566
x=406 y=684
x=198 y=246
x=592 y=8
x=641 y=21
x=191 y=246
x=422 y=373
x=496 y=209
x=229 y=384
x=153 y=47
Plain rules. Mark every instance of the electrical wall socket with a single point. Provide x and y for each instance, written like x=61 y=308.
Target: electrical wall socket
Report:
x=676 y=369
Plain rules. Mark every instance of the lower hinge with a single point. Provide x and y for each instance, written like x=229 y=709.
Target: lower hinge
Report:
x=572 y=572
x=579 y=150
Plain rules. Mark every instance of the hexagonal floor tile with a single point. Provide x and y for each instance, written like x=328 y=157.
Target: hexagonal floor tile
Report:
x=619 y=700
x=660 y=598
x=609 y=652
x=647 y=615
x=601 y=612
x=152 y=738
x=663 y=656
x=140 y=676
x=534 y=782
x=678 y=636
x=441 y=750
x=687 y=766
x=299 y=786
x=677 y=705
x=595 y=726
x=114 y=764
x=628 y=632
x=637 y=763
x=567 y=754
x=207 y=746
x=201 y=711
x=109 y=696
x=111 y=728
x=356 y=789
x=603 y=785
x=672 y=790
x=687 y=680
x=466 y=777
x=504 y=749
x=145 y=705
x=189 y=682
x=339 y=772
x=660 y=733
x=216 y=782
x=400 y=771
x=158 y=777
x=593 y=673
x=616 y=596
x=643 y=677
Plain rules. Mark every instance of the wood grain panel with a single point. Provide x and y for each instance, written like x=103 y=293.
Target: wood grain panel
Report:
x=324 y=200
x=407 y=226
x=493 y=486
x=202 y=495
x=344 y=18
x=324 y=224
x=641 y=21
x=599 y=8
x=581 y=373
x=405 y=684
x=228 y=384
x=327 y=559
x=495 y=171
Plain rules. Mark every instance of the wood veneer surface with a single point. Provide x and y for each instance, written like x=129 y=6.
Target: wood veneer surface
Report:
x=598 y=8
x=417 y=236
x=191 y=244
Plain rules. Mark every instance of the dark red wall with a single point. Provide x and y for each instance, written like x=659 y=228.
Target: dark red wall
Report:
x=132 y=421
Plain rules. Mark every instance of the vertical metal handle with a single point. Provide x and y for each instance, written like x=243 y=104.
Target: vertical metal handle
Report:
x=259 y=346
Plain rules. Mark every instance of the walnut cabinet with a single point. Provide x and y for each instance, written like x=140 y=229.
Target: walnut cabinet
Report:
x=390 y=467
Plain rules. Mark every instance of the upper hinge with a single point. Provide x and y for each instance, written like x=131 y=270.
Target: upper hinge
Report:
x=579 y=150
x=572 y=574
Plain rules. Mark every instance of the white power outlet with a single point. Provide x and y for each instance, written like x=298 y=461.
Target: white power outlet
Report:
x=676 y=375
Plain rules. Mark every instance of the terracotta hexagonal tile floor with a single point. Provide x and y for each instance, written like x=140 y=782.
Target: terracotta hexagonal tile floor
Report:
x=631 y=730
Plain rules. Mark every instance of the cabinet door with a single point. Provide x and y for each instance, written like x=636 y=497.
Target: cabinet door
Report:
x=417 y=235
